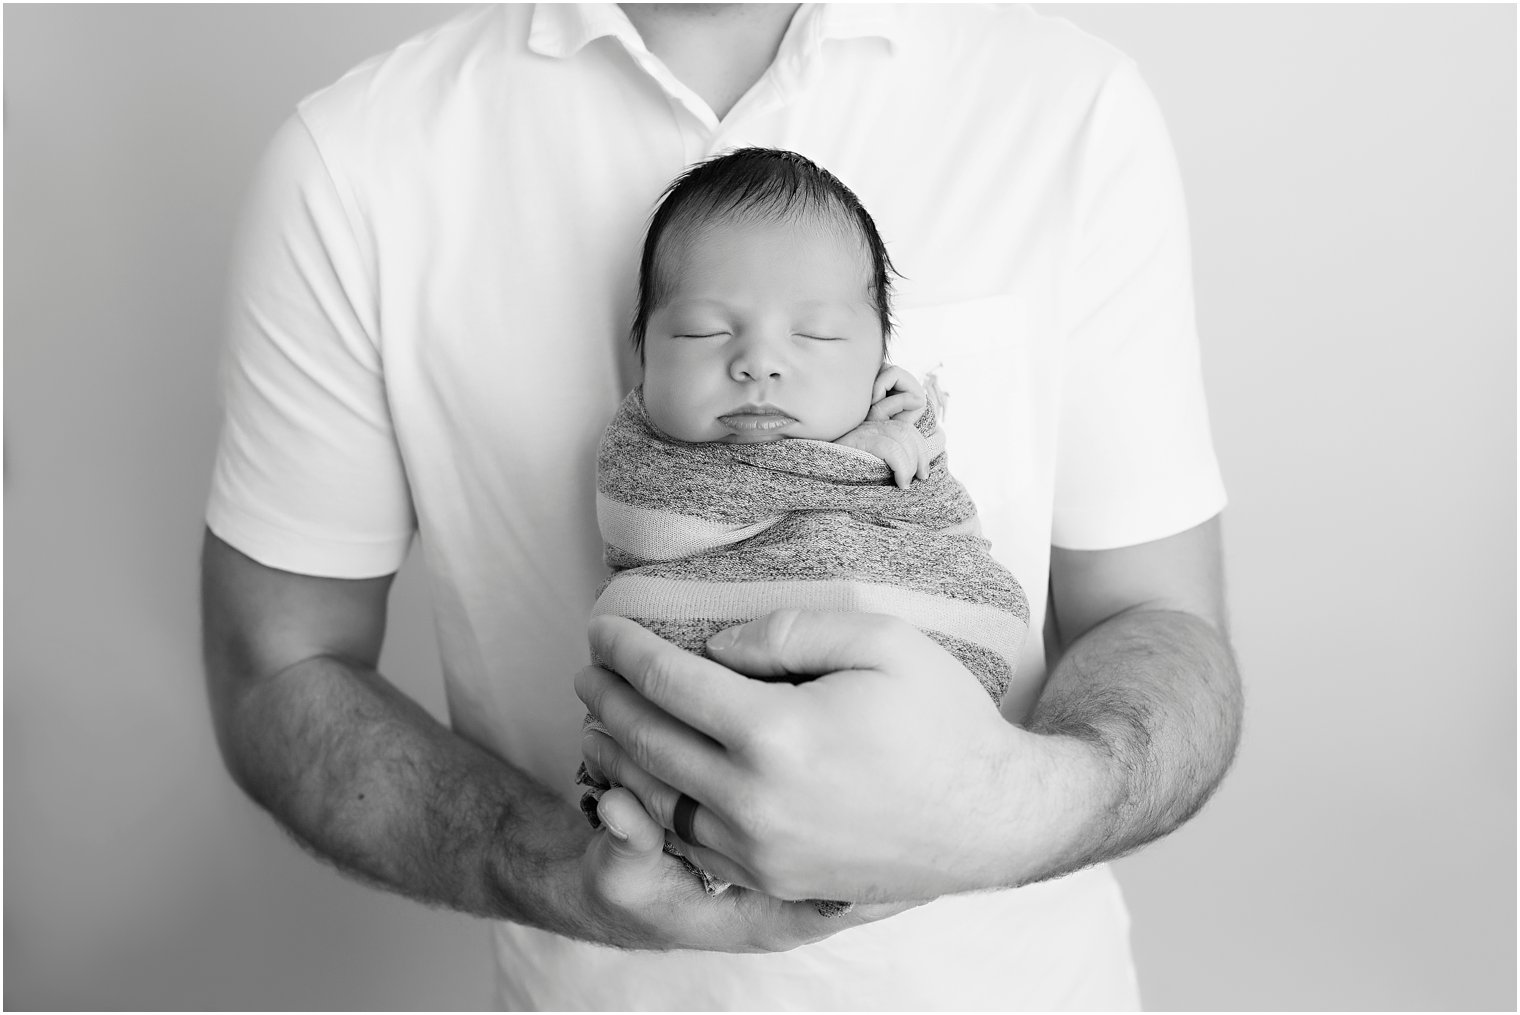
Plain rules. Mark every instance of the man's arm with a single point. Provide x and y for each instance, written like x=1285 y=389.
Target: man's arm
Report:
x=1148 y=679
x=889 y=778
x=366 y=778
x=356 y=770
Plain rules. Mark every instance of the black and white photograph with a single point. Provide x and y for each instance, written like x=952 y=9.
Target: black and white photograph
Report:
x=760 y=507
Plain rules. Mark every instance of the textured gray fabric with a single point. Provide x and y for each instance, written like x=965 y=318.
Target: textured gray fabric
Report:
x=702 y=537
x=832 y=516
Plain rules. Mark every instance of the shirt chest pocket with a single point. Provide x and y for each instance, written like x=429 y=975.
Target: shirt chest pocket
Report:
x=987 y=364
x=967 y=353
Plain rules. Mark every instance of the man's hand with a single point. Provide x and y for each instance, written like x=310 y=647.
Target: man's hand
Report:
x=888 y=432
x=893 y=777
x=638 y=896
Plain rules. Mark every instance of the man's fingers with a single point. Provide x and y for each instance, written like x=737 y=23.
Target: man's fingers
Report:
x=634 y=834
x=656 y=802
x=657 y=797
x=811 y=643
x=705 y=697
x=629 y=856
x=657 y=742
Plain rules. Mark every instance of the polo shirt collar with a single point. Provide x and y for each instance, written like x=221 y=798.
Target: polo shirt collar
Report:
x=861 y=21
x=562 y=30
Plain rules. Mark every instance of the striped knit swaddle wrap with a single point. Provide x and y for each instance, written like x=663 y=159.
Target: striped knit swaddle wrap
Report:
x=701 y=537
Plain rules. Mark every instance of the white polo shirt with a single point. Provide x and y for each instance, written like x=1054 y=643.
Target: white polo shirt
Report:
x=428 y=332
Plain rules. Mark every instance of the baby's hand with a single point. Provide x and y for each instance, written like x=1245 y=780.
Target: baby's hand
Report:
x=896 y=395
x=897 y=400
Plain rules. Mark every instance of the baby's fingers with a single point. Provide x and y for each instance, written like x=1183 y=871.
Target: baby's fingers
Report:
x=893 y=378
x=899 y=460
x=873 y=440
x=901 y=453
x=901 y=402
x=895 y=391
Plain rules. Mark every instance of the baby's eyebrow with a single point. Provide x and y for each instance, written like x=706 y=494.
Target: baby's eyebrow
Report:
x=800 y=306
x=699 y=302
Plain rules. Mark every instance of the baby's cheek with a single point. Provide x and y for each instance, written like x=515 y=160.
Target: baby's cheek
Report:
x=851 y=406
x=672 y=410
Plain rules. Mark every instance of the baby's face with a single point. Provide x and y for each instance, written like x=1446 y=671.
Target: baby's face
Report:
x=768 y=332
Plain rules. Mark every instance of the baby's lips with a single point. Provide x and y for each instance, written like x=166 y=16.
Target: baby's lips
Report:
x=756 y=420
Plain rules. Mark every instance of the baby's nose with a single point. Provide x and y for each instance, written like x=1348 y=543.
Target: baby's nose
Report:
x=755 y=372
x=754 y=361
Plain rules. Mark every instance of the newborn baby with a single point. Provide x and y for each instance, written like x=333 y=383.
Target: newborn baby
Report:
x=772 y=458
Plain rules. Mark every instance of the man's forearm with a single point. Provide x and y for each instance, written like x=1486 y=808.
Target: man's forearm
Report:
x=369 y=780
x=1156 y=696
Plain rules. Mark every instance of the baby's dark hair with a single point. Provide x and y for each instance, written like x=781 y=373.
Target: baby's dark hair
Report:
x=757 y=184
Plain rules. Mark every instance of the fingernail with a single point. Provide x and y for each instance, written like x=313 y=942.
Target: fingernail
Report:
x=723 y=639
x=612 y=828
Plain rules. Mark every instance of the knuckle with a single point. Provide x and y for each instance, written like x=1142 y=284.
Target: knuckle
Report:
x=775 y=739
x=662 y=806
x=641 y=743
x=589 y=686
x=606 y=641
x=752 y=821
x=655 y=674
x=777 y=626
x=601 y=756
x=772 y=878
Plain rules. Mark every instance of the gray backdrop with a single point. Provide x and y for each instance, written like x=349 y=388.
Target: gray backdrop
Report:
x=1351 y=176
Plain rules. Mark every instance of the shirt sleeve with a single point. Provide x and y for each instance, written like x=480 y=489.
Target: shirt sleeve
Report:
x=308 y=476
x=1135 y=459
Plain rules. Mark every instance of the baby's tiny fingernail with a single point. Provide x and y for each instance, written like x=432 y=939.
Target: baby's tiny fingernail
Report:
x=723 y=639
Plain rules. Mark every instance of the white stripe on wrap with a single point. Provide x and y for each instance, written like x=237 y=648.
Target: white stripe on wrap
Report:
x=666 y=535
x=970 y=527
x=639 y=597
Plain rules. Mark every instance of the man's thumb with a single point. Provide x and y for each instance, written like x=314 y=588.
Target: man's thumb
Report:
x=798 y=645
x=632 y=835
